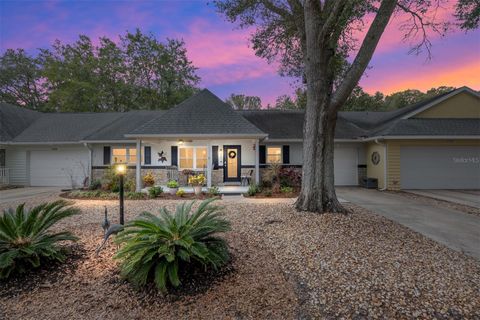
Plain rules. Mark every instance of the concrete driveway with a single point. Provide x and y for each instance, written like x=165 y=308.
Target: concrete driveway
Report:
x=455 y=229
x=466 y=197
x=22 y=194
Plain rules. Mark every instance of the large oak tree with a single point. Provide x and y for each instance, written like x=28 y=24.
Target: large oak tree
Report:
x=317 y=40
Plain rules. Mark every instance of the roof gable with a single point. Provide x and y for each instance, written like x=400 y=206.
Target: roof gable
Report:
x=203 y=114
x=14 y=119
x=449 y=105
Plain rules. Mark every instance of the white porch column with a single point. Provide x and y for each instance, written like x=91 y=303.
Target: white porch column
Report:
x=209 y=165
x=257 y=162
x=138 y=175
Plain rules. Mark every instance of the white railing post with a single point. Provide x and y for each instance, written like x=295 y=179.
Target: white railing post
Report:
x=4 y=176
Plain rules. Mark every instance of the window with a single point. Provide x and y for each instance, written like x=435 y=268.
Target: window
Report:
x=274 y=155
x=124 y=155
x=193 y=157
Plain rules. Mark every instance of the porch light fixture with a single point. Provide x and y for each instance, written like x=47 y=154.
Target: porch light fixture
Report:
x=180 y=142
x=121 y=169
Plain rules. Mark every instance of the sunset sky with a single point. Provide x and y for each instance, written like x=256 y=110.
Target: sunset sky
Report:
x=222 y=52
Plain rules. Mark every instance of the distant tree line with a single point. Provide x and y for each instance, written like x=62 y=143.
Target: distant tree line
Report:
x=359 y=100
x=138 y=72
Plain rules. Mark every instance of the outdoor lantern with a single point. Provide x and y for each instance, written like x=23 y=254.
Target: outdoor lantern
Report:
x=121 y=169
x=180 y=142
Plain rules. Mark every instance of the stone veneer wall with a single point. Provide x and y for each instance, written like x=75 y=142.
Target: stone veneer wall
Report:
x=161 y=175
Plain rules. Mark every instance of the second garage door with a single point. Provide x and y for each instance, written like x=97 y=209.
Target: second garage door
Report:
x=61 y=167
x=440 y=167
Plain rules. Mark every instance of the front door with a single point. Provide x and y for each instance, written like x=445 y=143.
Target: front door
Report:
x=232 y=162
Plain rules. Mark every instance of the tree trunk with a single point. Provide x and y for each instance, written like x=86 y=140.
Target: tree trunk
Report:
x=318 y=188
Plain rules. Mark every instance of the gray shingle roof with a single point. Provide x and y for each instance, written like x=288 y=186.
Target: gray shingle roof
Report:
x=13 y=120
x=65 y=127
x=289 y=124
x=431 y=127
x=128 y=121
x=201 y=114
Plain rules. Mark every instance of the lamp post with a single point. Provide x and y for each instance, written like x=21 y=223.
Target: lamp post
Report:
x=121 y=169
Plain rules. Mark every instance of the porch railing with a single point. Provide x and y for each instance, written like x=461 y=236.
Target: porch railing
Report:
x=4 y=176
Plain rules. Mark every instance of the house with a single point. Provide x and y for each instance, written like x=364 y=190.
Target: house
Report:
x=433 y=144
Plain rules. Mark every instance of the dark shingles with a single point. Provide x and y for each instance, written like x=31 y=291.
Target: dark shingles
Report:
x=202 y=114
x=13 y=120
x=123 y=125
x=431 y=127
x=289 y=124
x=65 y=127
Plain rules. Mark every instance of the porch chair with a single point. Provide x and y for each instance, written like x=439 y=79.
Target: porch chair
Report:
x=246 y=179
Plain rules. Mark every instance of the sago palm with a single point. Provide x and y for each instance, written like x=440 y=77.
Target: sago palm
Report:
x=25 y=238
x=156 y=247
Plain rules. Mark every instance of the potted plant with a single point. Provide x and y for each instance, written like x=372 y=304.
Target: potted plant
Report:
x=172 y=186
x=197 y=181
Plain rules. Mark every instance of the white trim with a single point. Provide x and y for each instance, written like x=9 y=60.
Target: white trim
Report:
x=194 y=157
x=274 y=146
x=443 y=98
x=41 y=143
x=138 y=166
x=107 y=141
x=421 y=138
x=127 y=154
x=267 y=140
x=197 y=135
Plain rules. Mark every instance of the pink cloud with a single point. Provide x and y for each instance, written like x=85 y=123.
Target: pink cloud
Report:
x=223 y=55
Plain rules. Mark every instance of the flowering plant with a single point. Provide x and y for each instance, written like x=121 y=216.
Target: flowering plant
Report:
x=197 y=180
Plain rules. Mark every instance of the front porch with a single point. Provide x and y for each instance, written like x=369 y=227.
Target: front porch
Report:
x=230 y=164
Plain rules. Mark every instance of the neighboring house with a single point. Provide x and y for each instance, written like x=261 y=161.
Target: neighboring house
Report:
x=432 y=144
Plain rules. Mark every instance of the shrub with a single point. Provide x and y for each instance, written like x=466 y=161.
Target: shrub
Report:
x=129 y=185
x=25 y=239
x=149 y=179
x=154 y=192
x=253 y=189
x=213 y=191
x=273 y=175
x=197 y=180
x=95 y=185
x=290 y=177
x=286 y=189
x=134 y=195
x=111 y=180
x=154 y=248
x=180 y=193
x=268 y=193
x=172 y=184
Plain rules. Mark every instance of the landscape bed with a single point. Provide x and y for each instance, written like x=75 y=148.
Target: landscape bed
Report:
x=286 y=265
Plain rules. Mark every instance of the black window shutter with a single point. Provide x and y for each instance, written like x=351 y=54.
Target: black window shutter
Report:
x=106 y=155
x=286 y=154
x=175 y=156
x=263 y=155
x=215 y=157
x=148 y=155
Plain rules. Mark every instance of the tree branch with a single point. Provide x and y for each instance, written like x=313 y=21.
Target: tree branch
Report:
x=332 y=18
x=282 y=12
x=364 y=55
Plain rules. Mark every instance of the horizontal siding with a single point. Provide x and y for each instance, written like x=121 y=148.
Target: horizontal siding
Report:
x=16 y=161
x=393 y=155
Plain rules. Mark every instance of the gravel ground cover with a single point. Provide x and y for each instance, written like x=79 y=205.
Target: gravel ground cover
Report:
x=286 y=265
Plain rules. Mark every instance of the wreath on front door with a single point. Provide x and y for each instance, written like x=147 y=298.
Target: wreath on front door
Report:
x=232 y=154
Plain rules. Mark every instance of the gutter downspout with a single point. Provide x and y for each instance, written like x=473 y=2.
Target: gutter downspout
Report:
x=385 y=164
x=90 y=161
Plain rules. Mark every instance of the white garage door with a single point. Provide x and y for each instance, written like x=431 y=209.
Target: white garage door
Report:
x=61 y=167
x=440 y=167
x=345 y=164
